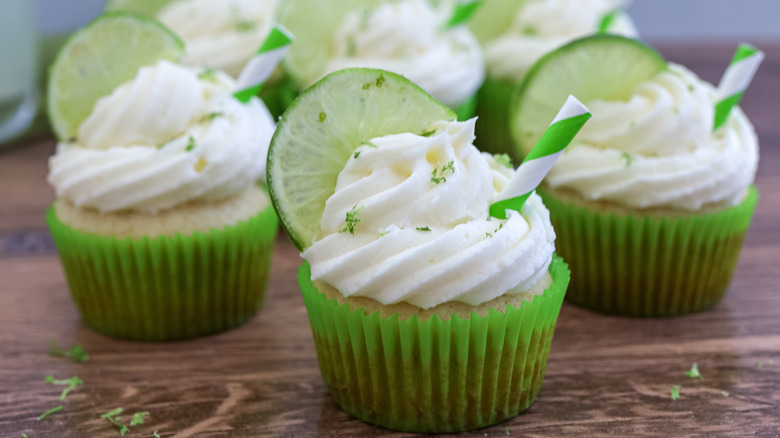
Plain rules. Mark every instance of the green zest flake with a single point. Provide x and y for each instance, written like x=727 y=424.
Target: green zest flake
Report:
x=366 y=86
x=138 y=418
x=384 y=234
x=72 y=383
x=24 y=435
x=244 y=26
x=380 y=81
x=116 y=420
x=503 y=159
x=323 y=116
x=437 y=176
x=49 y=412
x=675 y=391
x=690 y=88
x=76 y=352
x=627 y=157
x=607 y=20
x=724 y=393
x=530 y=30
x=190 y=144
x=489 y=235
x=423 y=229
x=428 y=133
x=356 y=154
x=208 y=75
x=211 y=116
x=694 y=373
x=351 y=220
x=368 y=143
x=507 y=431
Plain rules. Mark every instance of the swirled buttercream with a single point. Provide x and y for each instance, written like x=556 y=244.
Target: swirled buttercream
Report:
x=408 y=38
x=408 y=222
x=222 y=34
x=657 y=149
x=165 y=138
x=541 y=26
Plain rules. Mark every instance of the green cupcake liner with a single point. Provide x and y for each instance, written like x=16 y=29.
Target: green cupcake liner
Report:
x=653 y=266
x=166 y=288
x=434 y=376
x=492 y=130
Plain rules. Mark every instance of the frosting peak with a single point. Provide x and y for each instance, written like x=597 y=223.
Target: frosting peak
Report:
x=408 y=221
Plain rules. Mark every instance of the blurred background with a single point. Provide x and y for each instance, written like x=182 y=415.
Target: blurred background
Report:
x=31 y=31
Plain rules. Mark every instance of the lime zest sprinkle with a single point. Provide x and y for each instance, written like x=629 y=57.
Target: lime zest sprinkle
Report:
x=50 y=411
x=138 y=418
x=504 y=159
x=208 y=74
x=356 y=154
x=530 y=30
x=428 y=133
x=489 y=235
x=383 y=234
x=627 y=157
x=694 y=373
x=690 y=88
x=244 y=26
x=724 y=393
x=507 y=431
x=351 y=220
x=368 y=143
x=675 y=391
x=437 y=176
x=322 y=117
x=211 y=116
x=607 y=20
x=24 y=435
x=190 y=144
x=425 y=228
x=113 y=417
x=76 y=352
x=367 y=85
x=71 y=384
x=380 y=81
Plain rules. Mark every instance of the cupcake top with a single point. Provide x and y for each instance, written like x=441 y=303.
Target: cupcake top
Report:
x=658 y=149
x=220 y=34
x=408 y=37
x=170 y=136
x=541 y=26
x=408 y=222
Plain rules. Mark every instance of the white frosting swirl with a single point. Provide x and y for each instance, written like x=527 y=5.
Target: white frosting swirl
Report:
x=408 y=38
x=221 y=34
x=393 y=257
x=544 y=25
x=658 y=150
x=163 y=139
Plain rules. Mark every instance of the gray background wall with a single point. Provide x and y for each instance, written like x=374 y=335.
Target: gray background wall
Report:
x=663 y=21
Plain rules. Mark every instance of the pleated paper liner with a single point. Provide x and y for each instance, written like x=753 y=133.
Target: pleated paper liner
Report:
x=649 y=266
x=492 y=130
x=434 y=376
x=166 y=288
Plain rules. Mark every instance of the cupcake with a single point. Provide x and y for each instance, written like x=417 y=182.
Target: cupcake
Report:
x=163 y=230
x=651 y=202
x=514 y=35
x=427 y=315
x=220 y=35
x=408 y=37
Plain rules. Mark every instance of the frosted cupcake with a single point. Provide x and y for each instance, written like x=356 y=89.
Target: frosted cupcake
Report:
x=651 y=202
x=427 y=315
x=161 y=225
x=515 y=34
x=408 y=37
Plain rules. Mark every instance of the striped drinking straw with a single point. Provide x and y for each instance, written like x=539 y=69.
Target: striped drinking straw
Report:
x=570 y=119
x=736 y=80
x=463 y=12
x=262 y=65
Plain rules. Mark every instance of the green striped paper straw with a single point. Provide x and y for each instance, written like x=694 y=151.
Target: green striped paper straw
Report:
x=463 y=13
x=262 y=65
x=736 y=80
x=570 y=119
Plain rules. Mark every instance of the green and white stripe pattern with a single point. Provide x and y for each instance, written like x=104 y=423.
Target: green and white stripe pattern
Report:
x=736 y=80
x=463 y=12
x=262 y=65
x=570 y=119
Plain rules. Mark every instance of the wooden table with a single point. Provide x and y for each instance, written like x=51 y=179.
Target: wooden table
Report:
x=606 y=376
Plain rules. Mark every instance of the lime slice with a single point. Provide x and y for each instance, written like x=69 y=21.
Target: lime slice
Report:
x=144 y=7
x=314 y=23
x=606 y=67
x=493 y=18
x=324 y=125
x=100 y=57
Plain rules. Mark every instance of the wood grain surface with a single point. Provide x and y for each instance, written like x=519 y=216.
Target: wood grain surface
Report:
x=606 y=376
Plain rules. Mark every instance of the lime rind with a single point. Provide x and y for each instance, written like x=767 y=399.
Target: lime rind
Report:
x=143 y=7
x=98 y=58
x=321 y=129
x=605 y=67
